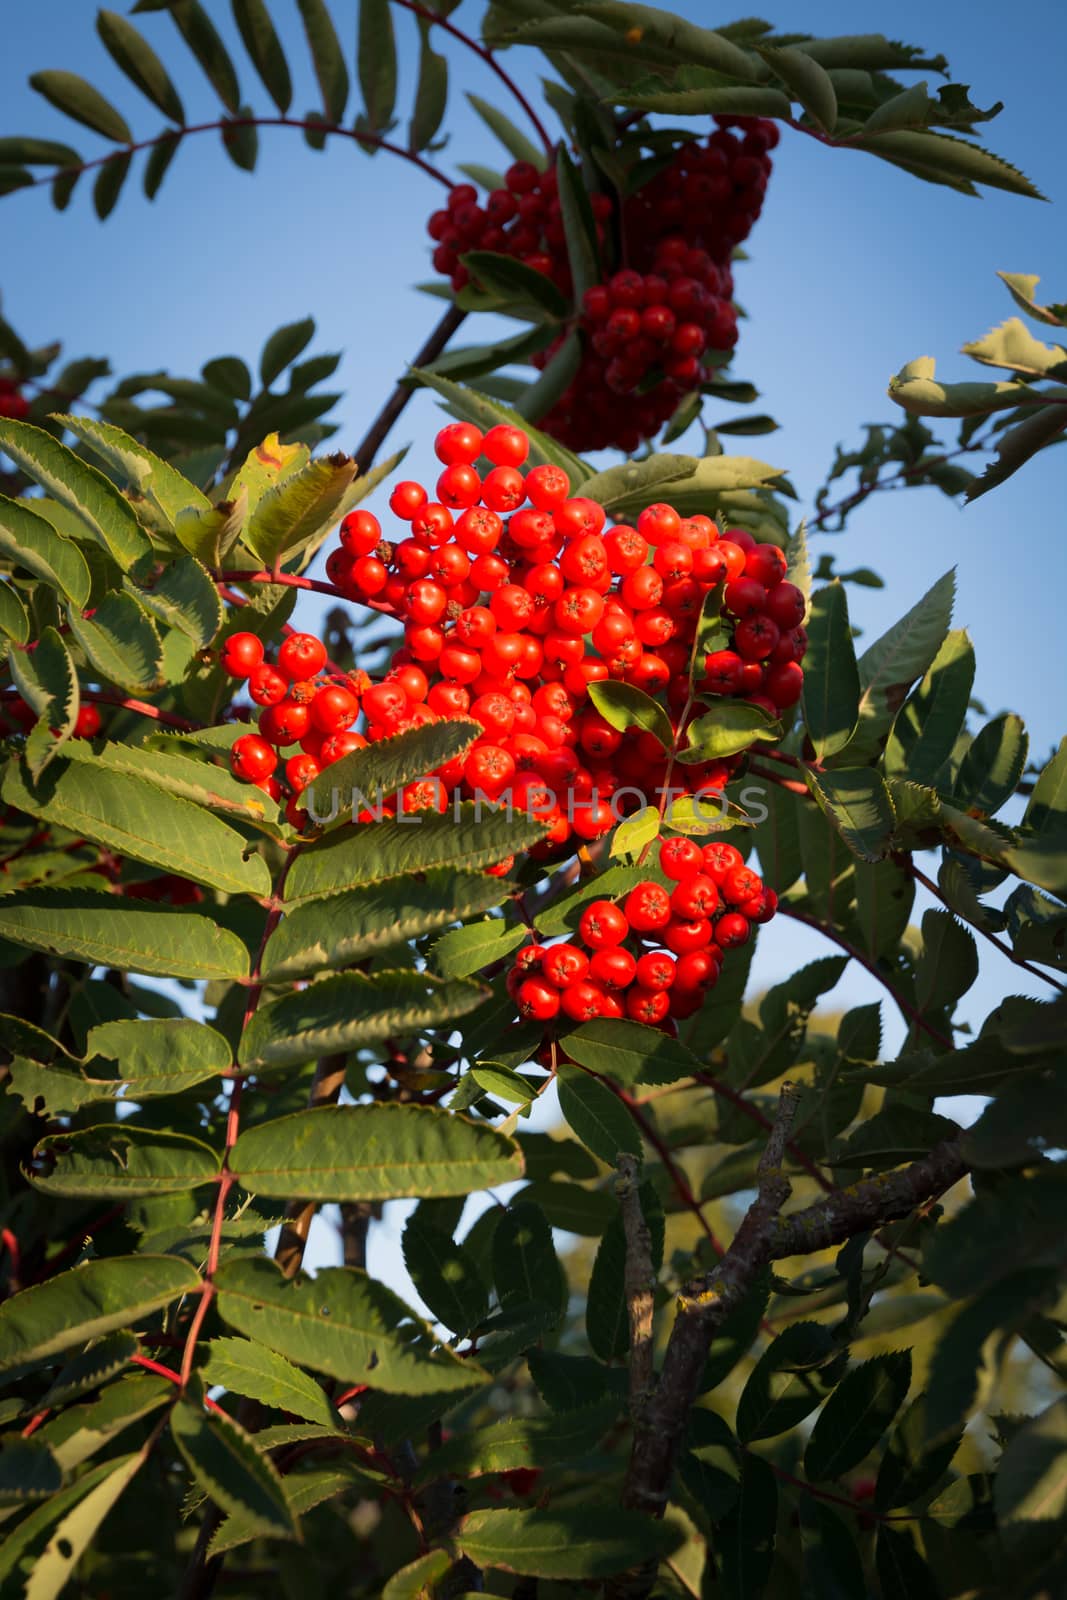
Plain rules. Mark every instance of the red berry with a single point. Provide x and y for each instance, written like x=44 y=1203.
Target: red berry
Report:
x=602 y=925
x=537 y=1000
x=731 y=930
x=252 y=758
x=266 y=685
x=301 y=656
x=647 y=908
x=461 y=442
x=241 y=654
x=564 y=964
x=680 y=858
x=361 y=533
x=506 y=446
x=582 y=1001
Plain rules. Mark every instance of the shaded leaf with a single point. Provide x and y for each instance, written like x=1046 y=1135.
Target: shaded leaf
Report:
x=79 y=100
x=225 y=1462
x=857 y=1414
x=131 y=51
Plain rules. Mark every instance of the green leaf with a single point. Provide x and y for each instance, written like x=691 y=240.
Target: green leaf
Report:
x=885 y=894
x=518 y=146
x=831 y=678
x=79 y=100
x=103 y=930
x=702 y=489
x=47 y=681
x=55 y=1564
x=446 y=1276
x=14 y=618
x=183 y=596
x=892 y=664
x=833 y=1567
x=1013 y=346
x=431 y=94
x=928 y=724
x=635 y=484
x=896 y=1133
x=792 y=1377
x=902 y=1572
x=265 y=49
x=363 y=780
x=469 y=838
x=302 y=510
x=475 y=947
x=28 y=1471
x=948 y=965
x=136 y=819
x=578 y=1541
x=1018 y=445
x=350 y=1009
x=158 y=164
x=731 y=727
x=341 y=1323
x=28 y=541
x=633 y=835
x=579 y=225
x=134 y=55
x=109 y=184
x=418 y=1577
x=537 y=400
x=1022 y=287
x=746 y=1537
x=597 y=1117
x=180 y=774
x=857 y=1415
x=92 y=1299
x=245 y=1368
x=625 y=707
x=120 y=642
x=79 y=487
x=807 y=82
x=522 y=1441
x=673 y=37
x=857 y=803
x=630 y=1053
x=377 y=1152
x=1025 y=1121
x=1046 y=810
x=526 y=1269
x=1031 y=1481
x=304 y=1490
x=224 y=1460
x=240 y=140
x=329 y=934
x=121 y=1159
x=202 y=37
x=469 y=405
x=376 y=61
x=329 y=63
x=91 y=1368
x=166 y=490
x=911 y=1467
x=79 y=1432
x=941 y=158
x=159 y=1056
x=280 y=350
x=916 y=389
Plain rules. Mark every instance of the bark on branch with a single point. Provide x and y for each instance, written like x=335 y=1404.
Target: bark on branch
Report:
x=639 y=1283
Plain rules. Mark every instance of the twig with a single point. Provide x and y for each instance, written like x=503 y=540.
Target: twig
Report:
x=484 y=54
x=679 y=1181
x=905 y=861
x=639 y=1283
x=869 y=1203
x=379 y=429
x=702 y=1308
x=105 y=697
x=906 y=1009
x=223 y=125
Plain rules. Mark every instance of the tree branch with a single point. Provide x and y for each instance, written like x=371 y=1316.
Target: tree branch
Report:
x=380 y=428
x=702 y=1308
x=639 y=1282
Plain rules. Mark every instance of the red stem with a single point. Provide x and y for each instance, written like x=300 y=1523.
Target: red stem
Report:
x=174 y=1377
x=484 y=54
x=105 y=697
x=905 y=1007
x=245 y=122
x=903 y=860
x=678 y=1178
x=227 y=1179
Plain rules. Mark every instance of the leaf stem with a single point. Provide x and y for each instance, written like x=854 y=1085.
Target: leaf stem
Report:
x=484 y=54
x=223 y=124
x=905 y=861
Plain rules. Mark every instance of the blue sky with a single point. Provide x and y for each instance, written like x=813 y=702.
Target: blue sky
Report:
x=856 y=268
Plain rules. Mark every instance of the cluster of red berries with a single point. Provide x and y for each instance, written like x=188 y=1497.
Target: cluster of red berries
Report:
x=13 y=402
x=656 y=327
x=301 y=704
x=515 y=599
x=655 y=954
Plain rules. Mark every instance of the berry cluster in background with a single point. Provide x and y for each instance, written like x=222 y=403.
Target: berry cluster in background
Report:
x=659 y=325
x=652 y=953
x=13 y=403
